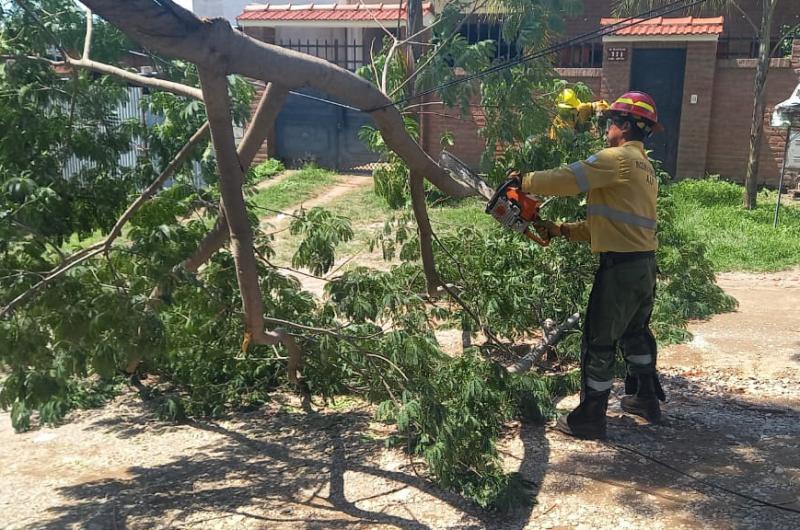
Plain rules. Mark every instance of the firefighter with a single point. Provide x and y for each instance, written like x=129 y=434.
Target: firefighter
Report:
x=621 y=188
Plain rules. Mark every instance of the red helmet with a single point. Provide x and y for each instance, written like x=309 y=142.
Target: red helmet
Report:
x=640 y=105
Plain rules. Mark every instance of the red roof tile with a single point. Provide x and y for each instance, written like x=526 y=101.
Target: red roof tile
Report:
x=668 y=26
x=318 y=12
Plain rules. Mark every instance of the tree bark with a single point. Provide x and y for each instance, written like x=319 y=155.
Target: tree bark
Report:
x=166 y=28
x=418 y=204
x=759 y=105
x=268 y=108
x=231 y=173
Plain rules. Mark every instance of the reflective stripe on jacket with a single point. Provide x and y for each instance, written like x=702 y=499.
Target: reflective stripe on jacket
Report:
x=621 y=189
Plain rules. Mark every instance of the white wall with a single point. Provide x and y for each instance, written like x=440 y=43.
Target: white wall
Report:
x=229 y=9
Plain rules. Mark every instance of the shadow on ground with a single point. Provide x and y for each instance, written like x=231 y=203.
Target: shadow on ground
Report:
x=324 y=470
x=288 y=470
x=711 y=433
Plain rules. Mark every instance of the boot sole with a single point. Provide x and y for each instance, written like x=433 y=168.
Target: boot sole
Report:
x=649 y=416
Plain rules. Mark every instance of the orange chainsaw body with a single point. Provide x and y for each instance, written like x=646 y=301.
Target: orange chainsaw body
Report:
x=518 y=211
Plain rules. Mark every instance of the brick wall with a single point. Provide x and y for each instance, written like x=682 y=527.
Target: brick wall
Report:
x=616 y=77
x=696 y=117
x=731 y=114
x=267 y=148
x=468 y=144
x=588 y=76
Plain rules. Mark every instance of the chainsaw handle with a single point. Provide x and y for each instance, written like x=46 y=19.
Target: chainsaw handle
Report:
x=543 y=239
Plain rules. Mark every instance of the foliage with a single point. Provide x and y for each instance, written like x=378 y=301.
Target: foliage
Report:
x=710 y=211
x=686 y=288
x=322 y=231
x=265 y=170
x=787 y=35
x=392 y=176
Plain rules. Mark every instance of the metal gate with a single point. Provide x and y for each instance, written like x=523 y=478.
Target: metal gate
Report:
x=660 y=73
x=308 y=130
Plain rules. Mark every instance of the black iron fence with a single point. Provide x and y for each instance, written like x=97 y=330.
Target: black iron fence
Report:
x=585 y=55
x=481 y=28
x=746 y=48
x=352 y=56
x=344 y=54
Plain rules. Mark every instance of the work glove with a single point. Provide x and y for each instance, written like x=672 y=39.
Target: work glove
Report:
x=514 y=176
x=548 y=228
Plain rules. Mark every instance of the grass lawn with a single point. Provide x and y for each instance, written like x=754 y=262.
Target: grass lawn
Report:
x=294 y=189
x=738 y=239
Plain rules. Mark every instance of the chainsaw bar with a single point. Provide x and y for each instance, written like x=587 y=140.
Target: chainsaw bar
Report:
x=461 y=173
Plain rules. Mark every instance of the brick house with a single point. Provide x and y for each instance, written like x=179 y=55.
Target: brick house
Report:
x=699 y=66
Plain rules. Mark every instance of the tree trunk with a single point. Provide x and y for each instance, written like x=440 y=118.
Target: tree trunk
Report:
x=267 y=110
x=417 y=184
x=231 y=175
x=414 y=26
x=759 y=105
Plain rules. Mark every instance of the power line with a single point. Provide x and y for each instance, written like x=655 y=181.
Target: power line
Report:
x=323 y=100
x=621 y=24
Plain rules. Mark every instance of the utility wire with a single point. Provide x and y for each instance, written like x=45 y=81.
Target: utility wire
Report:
x=759 y=502
x=323 y=100
x=624 y=23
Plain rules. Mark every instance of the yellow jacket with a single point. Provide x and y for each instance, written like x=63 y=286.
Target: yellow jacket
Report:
x=621 y=201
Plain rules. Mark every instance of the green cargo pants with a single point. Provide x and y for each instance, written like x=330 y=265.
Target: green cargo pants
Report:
x=618 y=314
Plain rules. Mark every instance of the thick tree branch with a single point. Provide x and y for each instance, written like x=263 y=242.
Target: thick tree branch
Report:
x=136 y=79
x=86 y=63
x=87 y=42
x=231 y=172
x=418 y=204
x=213 y=43
x=267 y=110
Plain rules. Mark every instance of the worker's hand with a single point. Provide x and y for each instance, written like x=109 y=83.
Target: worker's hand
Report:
x=549 y=229
x=514 y=176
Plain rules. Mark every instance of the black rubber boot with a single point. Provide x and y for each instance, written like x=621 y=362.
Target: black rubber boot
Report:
x=588 y=420
x=645 y=402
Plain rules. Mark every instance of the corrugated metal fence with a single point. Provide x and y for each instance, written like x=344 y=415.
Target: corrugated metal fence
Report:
x=128 y=110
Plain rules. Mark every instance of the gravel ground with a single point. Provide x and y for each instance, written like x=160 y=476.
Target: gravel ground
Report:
x=730 y=444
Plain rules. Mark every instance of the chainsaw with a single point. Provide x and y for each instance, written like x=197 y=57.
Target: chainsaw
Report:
x=508 y=204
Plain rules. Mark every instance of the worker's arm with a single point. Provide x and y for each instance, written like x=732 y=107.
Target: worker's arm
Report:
x=599 y=170
x=576 y=231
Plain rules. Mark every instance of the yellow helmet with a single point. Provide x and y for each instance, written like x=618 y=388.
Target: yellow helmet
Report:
x=567 y=99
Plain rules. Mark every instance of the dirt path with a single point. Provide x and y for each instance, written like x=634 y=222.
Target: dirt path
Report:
x=344 y=184
x=277 y=224
x=733 y=420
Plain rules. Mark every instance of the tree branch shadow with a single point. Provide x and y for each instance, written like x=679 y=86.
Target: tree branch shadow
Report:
x=285 y=470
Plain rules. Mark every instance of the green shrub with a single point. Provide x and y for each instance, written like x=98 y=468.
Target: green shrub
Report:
x=265 y=170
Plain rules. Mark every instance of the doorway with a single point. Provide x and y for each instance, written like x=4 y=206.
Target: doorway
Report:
x=660 y=73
